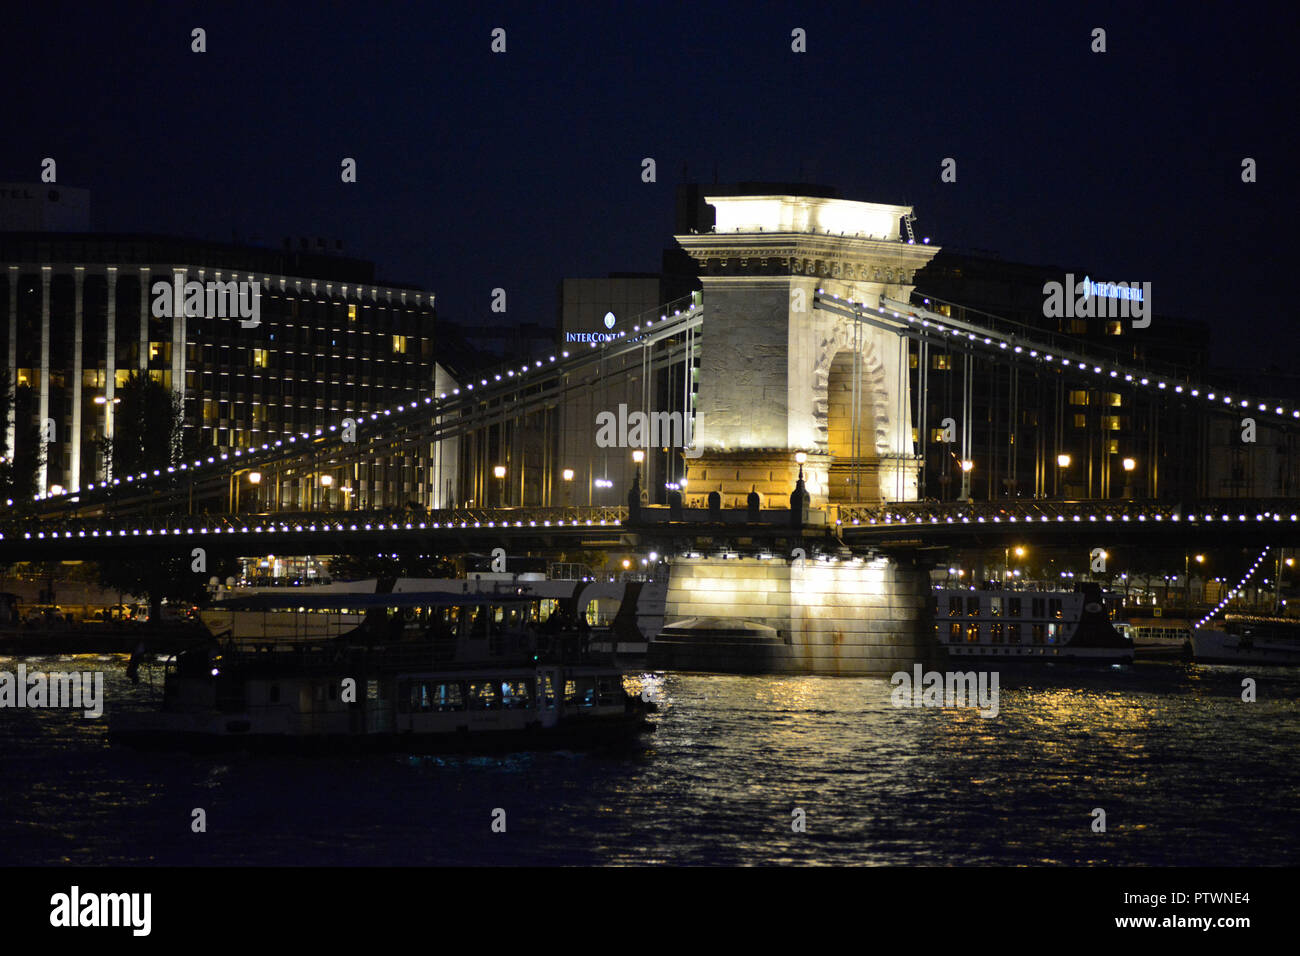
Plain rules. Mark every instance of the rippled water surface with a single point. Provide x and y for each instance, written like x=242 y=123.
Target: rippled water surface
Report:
x=1186 y=772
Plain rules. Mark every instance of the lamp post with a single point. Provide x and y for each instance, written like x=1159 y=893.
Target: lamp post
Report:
x=254 y=479
x=325 y=482
x=1130 y=465
x=1062 y=462
x=499 y=472
x=567 y=476
x=1187 y=578
x=967 y=466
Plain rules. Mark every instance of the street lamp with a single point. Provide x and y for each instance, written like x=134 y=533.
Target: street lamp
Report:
x=1063 y=460
x=967 y=466
x=567 y=476
x=499 y=472
x=1130 y=464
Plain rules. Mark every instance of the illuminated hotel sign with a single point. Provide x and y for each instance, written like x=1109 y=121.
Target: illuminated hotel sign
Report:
x=595 y=336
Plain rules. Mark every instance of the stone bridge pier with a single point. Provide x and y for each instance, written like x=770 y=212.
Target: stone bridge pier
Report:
x=780 y=379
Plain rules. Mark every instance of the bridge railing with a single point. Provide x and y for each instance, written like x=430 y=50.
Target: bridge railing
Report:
x=1040 y=510
x=389 y=520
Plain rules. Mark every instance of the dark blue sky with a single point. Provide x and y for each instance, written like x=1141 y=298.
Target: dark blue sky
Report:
x=478 y=170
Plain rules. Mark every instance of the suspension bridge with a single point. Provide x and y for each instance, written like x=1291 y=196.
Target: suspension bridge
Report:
x=799 y=373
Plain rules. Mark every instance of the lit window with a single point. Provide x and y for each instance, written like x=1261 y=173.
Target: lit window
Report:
x=1078 y=398
x=259 y=358
x=1114 y=328
x=941 y=361
x=399 y=344
x=352 y=313
x=1080 y=420
x=1114 y=399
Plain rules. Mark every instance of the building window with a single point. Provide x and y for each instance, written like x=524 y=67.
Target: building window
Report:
x=1080 y=420
x=1079 y=397
x=399 y=344
x=1114 y=328
x=1114 y=399
x=352 y=313
x=1110 y=423
x=941 y=361
x=259 y=358
x=1078 y=326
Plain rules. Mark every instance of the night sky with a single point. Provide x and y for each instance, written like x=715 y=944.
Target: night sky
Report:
x=478 y=170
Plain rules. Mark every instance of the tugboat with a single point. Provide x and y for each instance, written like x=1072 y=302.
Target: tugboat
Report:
x=1248 y=639
x=1030 y=626
x=428 y=672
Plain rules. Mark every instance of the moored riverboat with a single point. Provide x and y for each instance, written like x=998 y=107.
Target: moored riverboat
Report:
x=1248 y=639
x=424 y=673
x=1020 y=625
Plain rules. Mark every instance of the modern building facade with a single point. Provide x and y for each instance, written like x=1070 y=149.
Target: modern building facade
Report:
x=79 y=317
x=1031 y=434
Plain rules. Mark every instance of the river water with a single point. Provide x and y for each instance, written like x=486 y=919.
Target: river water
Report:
x=1186 y=772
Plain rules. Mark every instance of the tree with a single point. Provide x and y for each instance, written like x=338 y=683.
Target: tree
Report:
x=22 y=464
x=146 y=427
x=169 y=576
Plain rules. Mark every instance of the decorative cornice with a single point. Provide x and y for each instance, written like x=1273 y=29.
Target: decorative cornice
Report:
x=806 y=254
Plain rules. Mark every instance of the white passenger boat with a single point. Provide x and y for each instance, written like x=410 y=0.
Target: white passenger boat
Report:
x=1031 y=626
x=1245 y=639
x=425 y=672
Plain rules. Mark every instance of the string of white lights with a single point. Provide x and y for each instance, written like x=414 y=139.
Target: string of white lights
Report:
x=1233 y=593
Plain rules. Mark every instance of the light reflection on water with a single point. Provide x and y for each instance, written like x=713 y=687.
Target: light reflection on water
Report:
x=1186 y=772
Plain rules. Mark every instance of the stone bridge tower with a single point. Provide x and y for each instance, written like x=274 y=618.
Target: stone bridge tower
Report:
x=778 y=377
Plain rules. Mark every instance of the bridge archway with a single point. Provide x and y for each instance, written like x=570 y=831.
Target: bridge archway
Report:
x=854 y=426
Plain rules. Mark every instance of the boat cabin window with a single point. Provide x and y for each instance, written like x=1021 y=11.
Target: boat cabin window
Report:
x=1040 y=631
x=1013 y=633
x=973 y=606
x=1013 y=607
x=609 y=690
x=996 y=632
x=483 y=695
x=422 y=697
x=1054 y=605
x=275 y=693
x=1039 y=607
x=954 y=606
x=954 y=633
x=995 y=606
x=546 y=692
x=516 y=694
x=972 y=633
x=580 y=692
